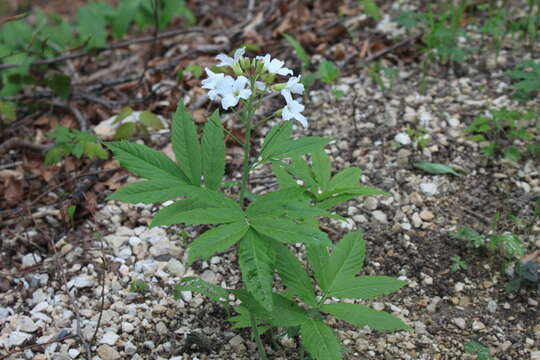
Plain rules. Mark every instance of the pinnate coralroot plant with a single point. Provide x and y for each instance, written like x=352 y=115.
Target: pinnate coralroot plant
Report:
x=263 y=227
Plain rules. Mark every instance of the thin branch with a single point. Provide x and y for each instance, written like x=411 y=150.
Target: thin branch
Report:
x=113 y=46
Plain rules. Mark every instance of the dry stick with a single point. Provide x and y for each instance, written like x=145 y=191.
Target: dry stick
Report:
x=64 y=284
x=102 y=283
x=155 y=11
x=383 y=52
x=33 y=346
x=17 y=142
x=113 y=46
x=83 y=124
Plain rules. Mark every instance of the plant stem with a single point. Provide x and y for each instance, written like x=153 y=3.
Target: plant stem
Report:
x=260 y=346
x=247 y=116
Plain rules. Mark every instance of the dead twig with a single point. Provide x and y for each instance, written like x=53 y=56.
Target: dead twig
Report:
x=33 y=346
x=113 y=46
x=17 y=142
x=382 y=52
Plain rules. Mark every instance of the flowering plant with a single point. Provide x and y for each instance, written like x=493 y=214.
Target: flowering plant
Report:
x=264 y=227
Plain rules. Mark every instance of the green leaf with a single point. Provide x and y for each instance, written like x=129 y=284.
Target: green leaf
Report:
x=328 y=71
x=124 y=113
x=7 y=112
x=321 y=168
x=213 y=152
x=510 y=245
x=125 y=131
x=212 y=291
x=277 y=135
x=201 y=216
x=150 y=191
x=512 y=153
x=302 y=146
x=56 y=153
x=217 y=239
x=60 y=85
x=318 y=258
x=361 y=316
x=371 y=9
x=146 y=162
x=357 y=190
x=347 y=259
x=349 y=177
x=256 y=259
x=320 y=340
x=435 y=168
x=195 y=70
x=168 y=214
x=272 y=201
x=151 y=120
x=298 y=49
x=93 y=150
x=286 y=313
x=283 y=178
x=186 y=144
x=294 y=275
x=364 y=287
x=287 y=231
x=123 y=19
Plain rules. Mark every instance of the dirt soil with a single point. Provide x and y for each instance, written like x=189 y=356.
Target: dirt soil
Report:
x=61 y=281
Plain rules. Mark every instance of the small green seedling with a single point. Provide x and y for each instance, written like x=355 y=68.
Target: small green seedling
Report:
x=138 y=286
x=377 y=72
x=73 y=142
x=482 y=352
x=458 y=264
x=145 y=122
x=419 y=137
x=527 y=73
x=500 y=129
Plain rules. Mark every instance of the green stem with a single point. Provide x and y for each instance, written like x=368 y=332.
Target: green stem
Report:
x=260 y=346
x=247 y=117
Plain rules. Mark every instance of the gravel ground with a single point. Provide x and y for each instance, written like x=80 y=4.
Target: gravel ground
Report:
x=88 y=281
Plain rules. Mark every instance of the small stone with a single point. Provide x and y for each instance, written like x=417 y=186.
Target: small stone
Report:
x=160 y=247
x=459 y=287
x=129 y=348
x=505 y=346
x=380 y=216
x=127 y=327
x=161 y=328
x=378 y=306
x=416 y=220
x=491 y=306
x=429 y=189
x=16 y=338
x=124 y=253
x=134 y=241
x=535 y=355
x=25 y=324
x=109 y=338
x=30 y=260
x=416 y=199
x=371 y=203
x=428 y=280
x=532 y=302
x=426 y=215
x=176 y=268
x=73 y=353
x=235 y=341
x=82 y=281
x=478 y=325
x=106 y=352
x=403 y=138
x=209 y=276
x=460 y=323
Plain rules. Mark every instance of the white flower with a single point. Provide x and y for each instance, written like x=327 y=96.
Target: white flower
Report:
x=293 y=109
x=260 y=85
x=229 y=61
x=233 y=90
x=212 y=83
x=274 y=66
x=295 y=86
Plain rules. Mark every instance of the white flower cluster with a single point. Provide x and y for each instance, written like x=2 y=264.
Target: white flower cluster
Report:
x=230 y=91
